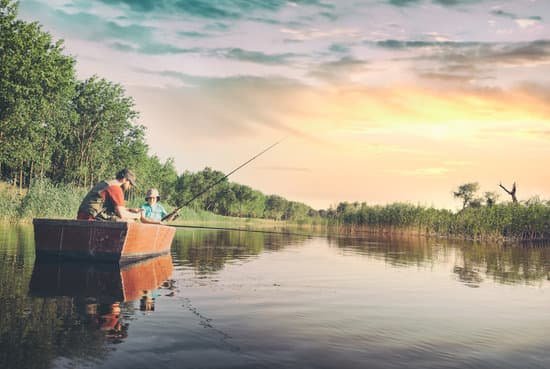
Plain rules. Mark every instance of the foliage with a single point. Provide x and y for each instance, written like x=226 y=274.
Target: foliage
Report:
x=36 y=83
x=527 y=221
x=466 y=193
x=233 y=199
x=101 y=134
x=54 y=126
x=47 y=200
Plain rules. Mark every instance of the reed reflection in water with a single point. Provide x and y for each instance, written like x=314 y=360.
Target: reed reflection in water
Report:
x=238 y=299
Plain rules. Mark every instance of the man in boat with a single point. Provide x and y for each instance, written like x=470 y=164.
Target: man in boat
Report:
x=105 y=201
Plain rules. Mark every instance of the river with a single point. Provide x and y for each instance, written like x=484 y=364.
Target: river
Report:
x=229 y=299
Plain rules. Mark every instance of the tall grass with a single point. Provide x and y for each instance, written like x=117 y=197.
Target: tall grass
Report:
x=528 y=221
x=10 y=200
x=42 y=200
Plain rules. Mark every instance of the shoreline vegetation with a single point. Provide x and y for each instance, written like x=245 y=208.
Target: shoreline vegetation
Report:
x=505 y=222
x=59 y=135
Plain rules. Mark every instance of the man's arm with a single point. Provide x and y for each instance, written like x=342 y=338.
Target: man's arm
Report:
x=124 y=213
x=117 y=197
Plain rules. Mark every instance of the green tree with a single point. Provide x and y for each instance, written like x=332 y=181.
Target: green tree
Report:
x=243 y=195
x=275 y=207
x=490 y=198
x=103 y=135
x=466 y=193
x=36 y=83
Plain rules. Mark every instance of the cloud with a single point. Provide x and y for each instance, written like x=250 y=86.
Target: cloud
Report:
x=404 y=3
x=318 y=34
x=217 y=26
x=255 y=56
x=455 y=61
x=526 y=22
x=193 y=34
x=502 y=13
x=340 y=70
x=339 y=48
x=414 y=44
x=163 y=27
x=239 y=106
x=512 y=53
x=522 y=22
x=329 y=16
x=95 y=28
x=448 y=77
x=456 y=2
x=220 y=9
x=196 y=8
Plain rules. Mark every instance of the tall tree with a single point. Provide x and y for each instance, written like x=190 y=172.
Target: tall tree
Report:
x=36 y=83
x=275 y=207
x=466 y=193
x=102 y=135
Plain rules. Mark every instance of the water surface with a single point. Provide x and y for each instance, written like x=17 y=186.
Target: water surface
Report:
x=228 y=299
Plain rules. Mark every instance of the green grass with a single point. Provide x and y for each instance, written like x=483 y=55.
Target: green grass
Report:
x=10 y=201
x=42 y=200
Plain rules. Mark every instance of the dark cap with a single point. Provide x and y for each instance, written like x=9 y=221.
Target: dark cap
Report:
x=128 y=174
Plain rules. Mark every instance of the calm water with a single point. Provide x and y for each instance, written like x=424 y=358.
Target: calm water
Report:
x=252 y=300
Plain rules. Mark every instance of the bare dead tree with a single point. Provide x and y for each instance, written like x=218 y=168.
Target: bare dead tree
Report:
x=510 y=192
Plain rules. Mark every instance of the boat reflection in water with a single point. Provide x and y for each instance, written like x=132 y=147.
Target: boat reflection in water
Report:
x=98 y=289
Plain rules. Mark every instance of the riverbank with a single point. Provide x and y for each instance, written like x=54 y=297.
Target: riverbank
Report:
x=46 y=200
x=505 y=222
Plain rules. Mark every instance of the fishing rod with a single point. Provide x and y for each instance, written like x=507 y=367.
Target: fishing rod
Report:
x=174 y=213
x=285 y=233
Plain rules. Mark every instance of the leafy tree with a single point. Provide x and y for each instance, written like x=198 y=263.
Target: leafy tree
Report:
x=243 y=195
x=274 y=207
x=490 y=198
x=224 y=199
x=466 y=193
x=102 y=136
x=36 y=83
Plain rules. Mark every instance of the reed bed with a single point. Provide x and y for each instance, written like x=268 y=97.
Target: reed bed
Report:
x=528 y=221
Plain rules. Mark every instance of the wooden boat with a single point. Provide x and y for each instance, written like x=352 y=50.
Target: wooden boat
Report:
x=103 y=282
x=101 y=241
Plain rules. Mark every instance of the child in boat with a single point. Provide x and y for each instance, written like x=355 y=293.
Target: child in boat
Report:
x=153 y=211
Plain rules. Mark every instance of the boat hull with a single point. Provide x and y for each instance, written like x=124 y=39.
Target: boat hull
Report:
x=101 y=241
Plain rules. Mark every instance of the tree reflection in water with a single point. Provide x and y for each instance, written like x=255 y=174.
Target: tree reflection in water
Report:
x=208 y=251
x=474 y=262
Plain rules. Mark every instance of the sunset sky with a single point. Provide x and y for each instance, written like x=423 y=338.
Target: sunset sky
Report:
x=380 y=100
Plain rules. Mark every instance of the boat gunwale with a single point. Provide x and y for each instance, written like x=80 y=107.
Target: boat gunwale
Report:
x=94 y=223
